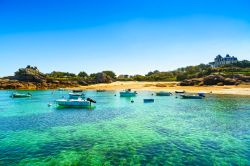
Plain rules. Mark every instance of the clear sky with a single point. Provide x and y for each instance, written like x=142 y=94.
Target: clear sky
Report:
x=126 y=36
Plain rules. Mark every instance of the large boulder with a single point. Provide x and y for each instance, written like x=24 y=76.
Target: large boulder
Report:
x=241 y=77
x=102 y=78
x=216 y=79
x=83 y=83
x=191 y=82
x=213 y=79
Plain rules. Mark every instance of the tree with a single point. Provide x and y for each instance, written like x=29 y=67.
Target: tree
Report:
x=83 y=74
x=138 y=77
x=110 y=73
x=58 y=74
x=181 y=76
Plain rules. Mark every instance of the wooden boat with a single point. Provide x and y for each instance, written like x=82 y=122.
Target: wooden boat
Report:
x=75 y=103
x=148 y=100
x=191 y=97
x=128 y=93
x=20 y=95
x=163 y=93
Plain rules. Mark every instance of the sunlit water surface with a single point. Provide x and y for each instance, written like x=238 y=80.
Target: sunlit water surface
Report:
x=170 y=131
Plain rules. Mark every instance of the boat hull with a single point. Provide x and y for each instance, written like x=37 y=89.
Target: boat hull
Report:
x=163 y=94
x=20 y=95
x=100 y=90
x=127 y=94
x=179 y=91
x=148 y=100
x=73 y=103
x=191 y=97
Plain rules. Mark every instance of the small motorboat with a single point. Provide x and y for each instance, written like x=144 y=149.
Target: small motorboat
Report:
x=148 y=100
x=20 y=95
x=179 y=91
x=75 y=103
x=162 y=93
x=191 y=97
x=77 y=90
x=202 y=94
x=76 y=95
x=61 y=89
x=100 y=90
x=128 y=93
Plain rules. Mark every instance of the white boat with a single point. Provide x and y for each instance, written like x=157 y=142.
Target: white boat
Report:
x=191 y=97
x=61 y=89
x=20 y=95
x=75 y=103
x=128 y=93
x=76 y=95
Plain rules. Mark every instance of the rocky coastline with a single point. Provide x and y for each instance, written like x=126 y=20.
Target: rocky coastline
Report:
x=216 y=79
x=30 y=78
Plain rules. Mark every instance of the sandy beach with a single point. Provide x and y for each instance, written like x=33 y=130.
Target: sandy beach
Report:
x=170 y=86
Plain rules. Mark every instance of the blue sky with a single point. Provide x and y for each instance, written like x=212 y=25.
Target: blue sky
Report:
x=126 y=36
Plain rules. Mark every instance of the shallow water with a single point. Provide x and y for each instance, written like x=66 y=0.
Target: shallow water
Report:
x=170 y=131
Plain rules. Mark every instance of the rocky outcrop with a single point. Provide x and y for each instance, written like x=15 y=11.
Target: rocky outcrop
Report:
x=32 y=78
x=16 y=84
x=82 y=83
x=216 y=79
x=191 y=82
x=102 y=78
x=29 y=74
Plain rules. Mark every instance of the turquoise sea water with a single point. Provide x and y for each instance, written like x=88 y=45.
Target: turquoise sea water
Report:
x=170 y=131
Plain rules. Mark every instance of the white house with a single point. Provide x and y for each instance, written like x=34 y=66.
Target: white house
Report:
x=220 y=61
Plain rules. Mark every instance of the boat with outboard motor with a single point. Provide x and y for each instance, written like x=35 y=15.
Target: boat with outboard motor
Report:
x=191 y=96
x=77 y=91
x=75 y=103
x=162 y=93
x=21 y=95
x=100 y=90
x=128 y=93
x=179 y=91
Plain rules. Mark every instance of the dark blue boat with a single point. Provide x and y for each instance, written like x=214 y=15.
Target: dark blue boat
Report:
x=148 y=100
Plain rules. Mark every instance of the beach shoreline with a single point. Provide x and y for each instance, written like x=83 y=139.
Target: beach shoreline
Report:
x=168 y=86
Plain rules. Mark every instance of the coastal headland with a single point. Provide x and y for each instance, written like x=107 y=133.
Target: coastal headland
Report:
x=220 y=80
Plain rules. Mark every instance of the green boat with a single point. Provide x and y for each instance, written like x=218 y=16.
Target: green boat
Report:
x=128 y=93
x=20 y=95
x=162 y=93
